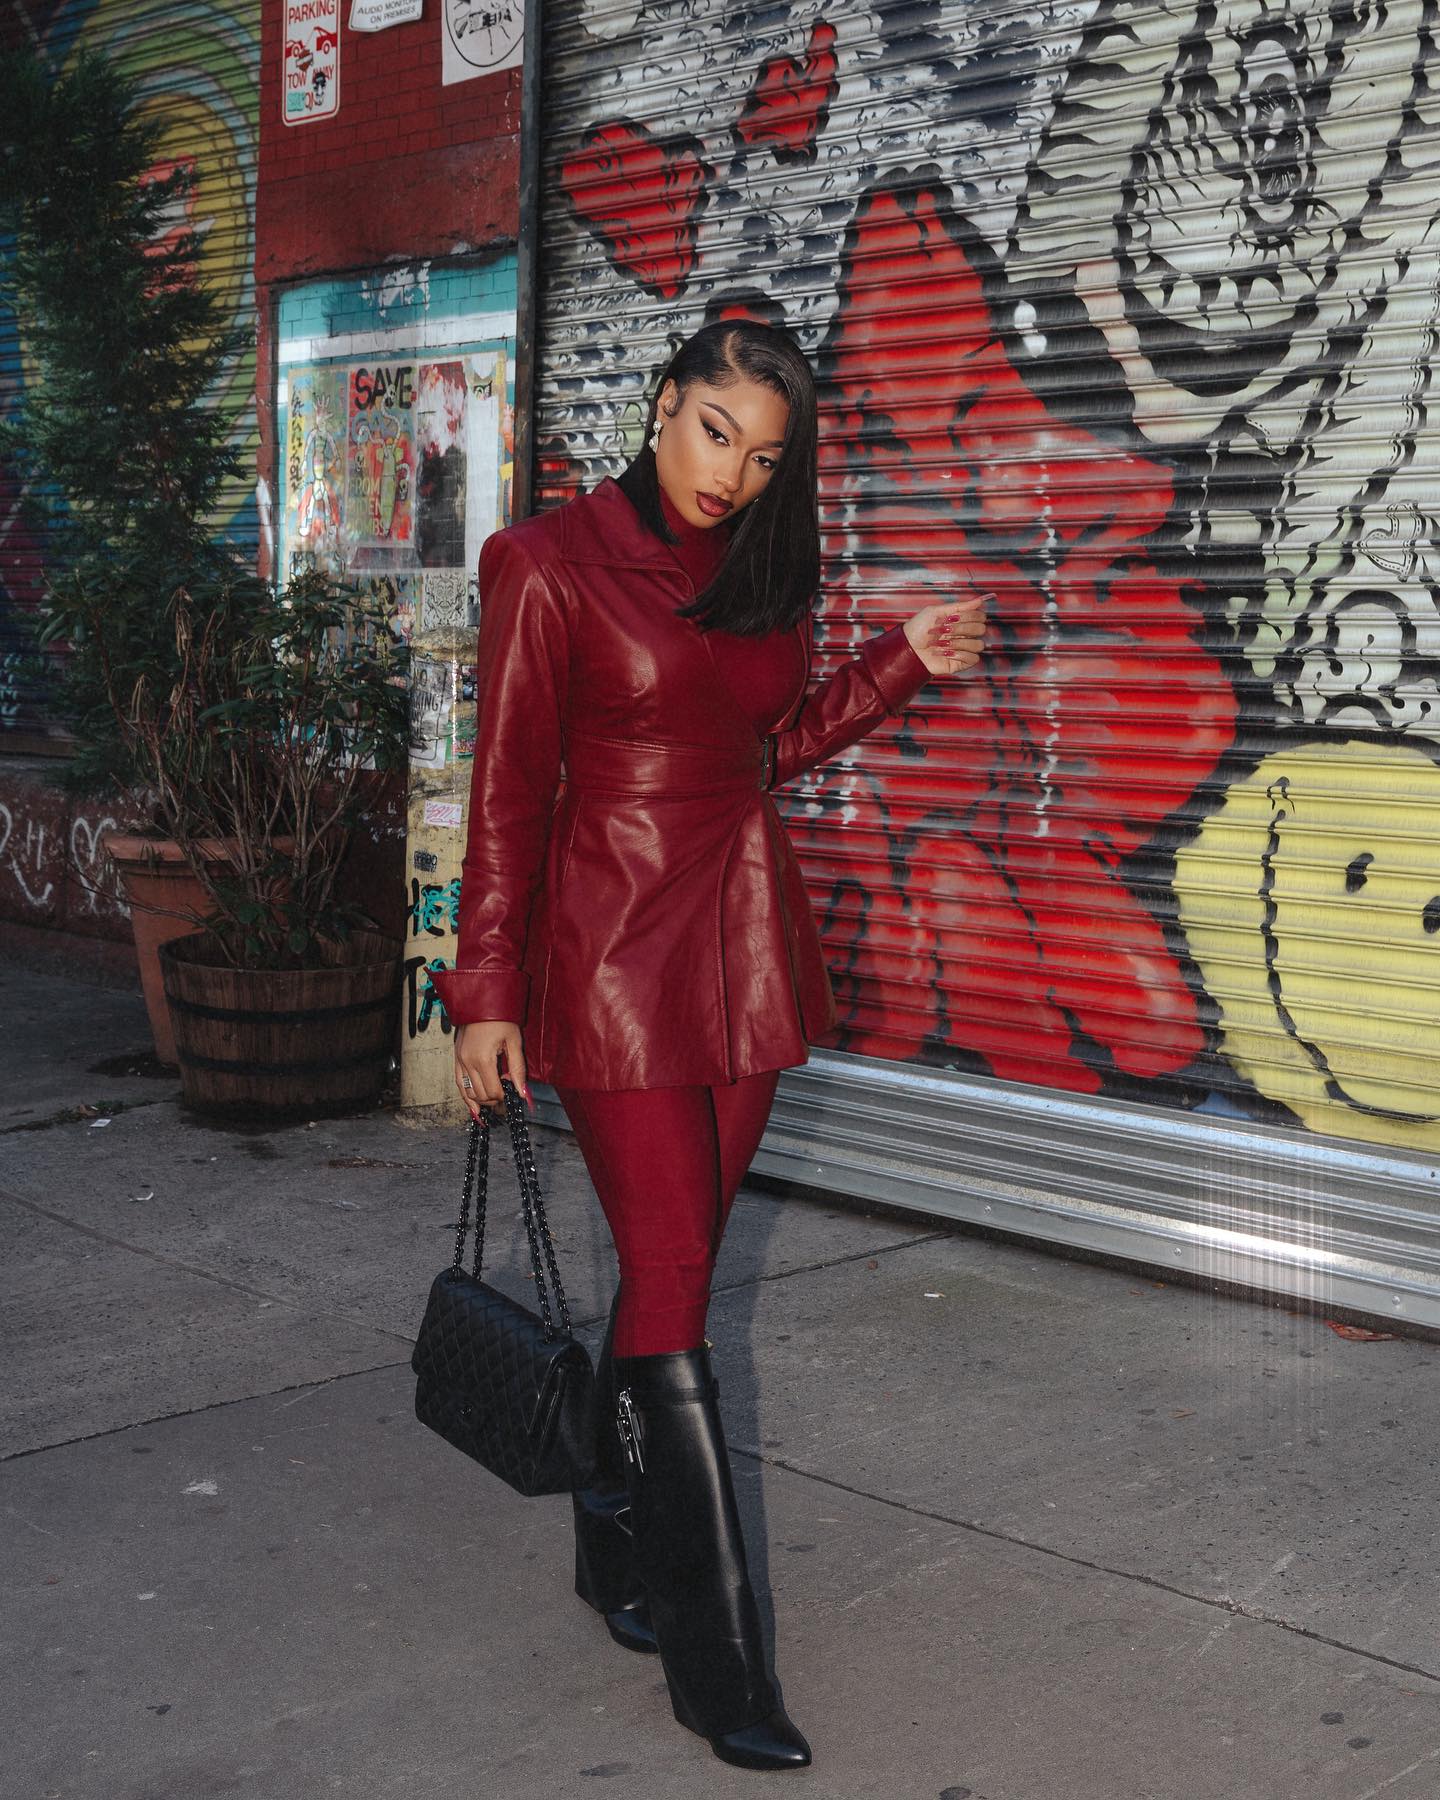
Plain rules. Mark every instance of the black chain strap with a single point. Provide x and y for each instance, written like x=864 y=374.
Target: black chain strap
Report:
x=537 y=1226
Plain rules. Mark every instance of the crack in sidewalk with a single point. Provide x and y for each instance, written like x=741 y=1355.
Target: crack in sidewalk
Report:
x=829 y=1262
x=1237 y=1608
x=1233 y=1608
x=308 y=1311
x=79 y=1115
x=240 y=1287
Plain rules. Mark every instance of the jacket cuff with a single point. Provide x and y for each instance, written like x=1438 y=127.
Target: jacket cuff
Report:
x=471 y=994
x=895 y=666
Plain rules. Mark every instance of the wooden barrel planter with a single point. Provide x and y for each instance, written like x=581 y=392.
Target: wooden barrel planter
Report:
x=282 y=1044
x=166 y=901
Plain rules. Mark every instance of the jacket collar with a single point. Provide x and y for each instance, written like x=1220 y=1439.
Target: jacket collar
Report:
x=601 y=526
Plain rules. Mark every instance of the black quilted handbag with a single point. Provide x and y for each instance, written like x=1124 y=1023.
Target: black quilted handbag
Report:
x=510 y=1389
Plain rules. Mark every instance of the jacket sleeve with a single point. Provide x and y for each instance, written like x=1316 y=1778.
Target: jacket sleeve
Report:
x=521 y=680
x=877 y=684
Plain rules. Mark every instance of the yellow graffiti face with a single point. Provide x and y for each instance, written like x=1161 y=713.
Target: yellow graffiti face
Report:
x=1311 y=901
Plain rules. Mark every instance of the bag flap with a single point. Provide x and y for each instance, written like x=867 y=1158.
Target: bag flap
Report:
x=478 y=1342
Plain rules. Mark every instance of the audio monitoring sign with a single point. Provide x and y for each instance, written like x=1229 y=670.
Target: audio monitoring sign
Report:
x=379 y=15
x=312 y=60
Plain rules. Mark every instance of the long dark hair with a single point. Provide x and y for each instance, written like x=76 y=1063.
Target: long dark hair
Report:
x=771 y=569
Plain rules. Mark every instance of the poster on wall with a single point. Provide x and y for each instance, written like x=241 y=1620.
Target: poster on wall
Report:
x=315 y=460
x=394 y=470
x=440 y=445
x=480 y=38
x=380 y=491
x=432 y=705
x=311 y=69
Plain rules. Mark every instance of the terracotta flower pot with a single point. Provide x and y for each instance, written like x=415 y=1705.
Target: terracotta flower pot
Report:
x=166 y=901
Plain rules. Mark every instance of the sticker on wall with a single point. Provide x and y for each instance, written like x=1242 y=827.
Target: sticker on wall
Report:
x=447 y=814
x=443 y=608
x=397 y=594
x=378 y=15
x=488 y=435
x=312 y=61
x=480 y=38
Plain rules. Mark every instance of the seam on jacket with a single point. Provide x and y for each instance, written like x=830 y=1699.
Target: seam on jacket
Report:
x=550 y=947
x=720 y=941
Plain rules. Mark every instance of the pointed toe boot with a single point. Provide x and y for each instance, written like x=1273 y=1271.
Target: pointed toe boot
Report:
x=772 y=1743
x=690 y=1556
x=605 y=1573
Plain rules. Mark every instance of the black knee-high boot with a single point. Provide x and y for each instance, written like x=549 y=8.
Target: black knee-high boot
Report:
x=605 y=1574
x=691 y=1557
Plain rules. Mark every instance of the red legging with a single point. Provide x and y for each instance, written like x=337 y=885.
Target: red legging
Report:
x=666 y=1163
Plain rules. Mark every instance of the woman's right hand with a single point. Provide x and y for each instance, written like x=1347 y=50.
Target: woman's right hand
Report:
x=951 y=636
x=478 y=1049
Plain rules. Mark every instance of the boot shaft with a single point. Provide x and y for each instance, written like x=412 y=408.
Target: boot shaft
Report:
x=689 y=1548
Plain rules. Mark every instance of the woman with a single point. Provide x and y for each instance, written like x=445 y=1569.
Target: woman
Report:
x=631 y=904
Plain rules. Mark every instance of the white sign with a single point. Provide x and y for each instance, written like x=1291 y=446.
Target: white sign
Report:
x=481 y=37
x=445 y=813
x=432 y=696
x=311 y=70
x=375 y=15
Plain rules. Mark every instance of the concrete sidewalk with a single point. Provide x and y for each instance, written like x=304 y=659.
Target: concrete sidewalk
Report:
x=1026 y=1529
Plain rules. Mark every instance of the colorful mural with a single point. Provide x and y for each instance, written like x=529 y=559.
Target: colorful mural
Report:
x=198 y=66
x=1125 y=313
x=1264 y=300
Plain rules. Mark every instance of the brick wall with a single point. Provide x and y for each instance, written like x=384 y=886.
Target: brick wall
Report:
x=406 y=168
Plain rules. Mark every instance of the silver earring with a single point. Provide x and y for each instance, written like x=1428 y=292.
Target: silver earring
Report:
x=655 y=436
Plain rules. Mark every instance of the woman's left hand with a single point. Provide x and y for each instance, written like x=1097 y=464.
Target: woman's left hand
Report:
x=948 y=638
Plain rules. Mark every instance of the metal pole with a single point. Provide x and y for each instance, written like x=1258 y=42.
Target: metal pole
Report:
x=527 y=257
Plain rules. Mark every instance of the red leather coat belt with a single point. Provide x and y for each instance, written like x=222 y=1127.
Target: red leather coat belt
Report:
x=682 y=771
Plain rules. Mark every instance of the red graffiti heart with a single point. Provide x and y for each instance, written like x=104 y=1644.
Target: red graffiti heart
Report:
x=790 y=101
x=641 y=197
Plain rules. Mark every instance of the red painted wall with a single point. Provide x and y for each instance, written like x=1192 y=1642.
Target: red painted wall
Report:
x=406 y=168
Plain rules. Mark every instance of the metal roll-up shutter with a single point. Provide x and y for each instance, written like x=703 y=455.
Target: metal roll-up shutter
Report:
x=198 y=68
x=1126 y=316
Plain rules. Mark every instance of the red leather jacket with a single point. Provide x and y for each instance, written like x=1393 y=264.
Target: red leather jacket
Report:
x=629 y=894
